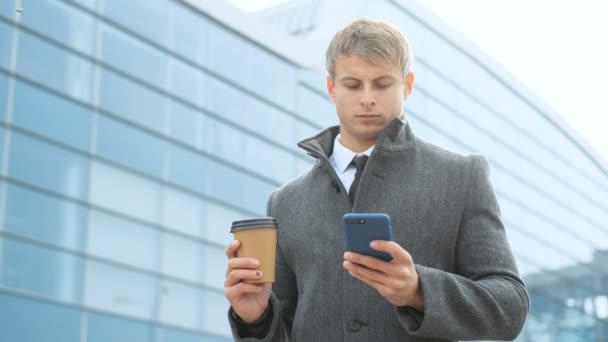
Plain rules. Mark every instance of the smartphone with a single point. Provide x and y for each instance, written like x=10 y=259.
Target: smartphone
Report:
x=362 y=228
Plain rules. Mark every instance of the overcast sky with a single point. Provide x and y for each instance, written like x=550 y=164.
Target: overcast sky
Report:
x=555 y=47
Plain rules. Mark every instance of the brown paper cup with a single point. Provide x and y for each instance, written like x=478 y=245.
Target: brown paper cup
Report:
x=258 y=240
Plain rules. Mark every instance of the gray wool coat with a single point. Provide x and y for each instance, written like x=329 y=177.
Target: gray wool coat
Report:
x=443 y=212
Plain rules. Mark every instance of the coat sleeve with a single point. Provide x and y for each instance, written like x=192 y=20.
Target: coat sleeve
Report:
x=485 y=298
x=283 y=299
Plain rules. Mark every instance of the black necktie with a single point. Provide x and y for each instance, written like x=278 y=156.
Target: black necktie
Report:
x=359 y=163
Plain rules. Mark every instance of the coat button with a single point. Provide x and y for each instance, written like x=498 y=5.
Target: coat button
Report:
x=354 y=325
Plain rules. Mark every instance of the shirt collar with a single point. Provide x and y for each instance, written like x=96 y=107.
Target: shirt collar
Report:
x=343 y=155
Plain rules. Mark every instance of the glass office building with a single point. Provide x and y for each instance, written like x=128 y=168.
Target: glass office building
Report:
x=133 y=132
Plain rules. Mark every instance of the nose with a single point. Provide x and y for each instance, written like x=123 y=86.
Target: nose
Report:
x=368 y=98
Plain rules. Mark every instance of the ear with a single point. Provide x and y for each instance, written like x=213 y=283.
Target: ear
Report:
x=330 y=88
x=409 y=85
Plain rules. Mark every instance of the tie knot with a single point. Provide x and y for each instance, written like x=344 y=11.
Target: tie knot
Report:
x=360 y=162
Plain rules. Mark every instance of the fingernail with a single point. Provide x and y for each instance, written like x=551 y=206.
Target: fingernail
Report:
x=373 y=244
x=258 y=274
x=344 y=264
x=347 y=255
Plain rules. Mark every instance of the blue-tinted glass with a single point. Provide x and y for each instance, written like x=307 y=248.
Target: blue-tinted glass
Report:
x=132 y=101
x=187 y=82
x=7 y=9
x=90 y=4
x=215 y=307
x=225 y=183
x=56 y=221
x=187 y=169
x=61 y=70
x=114 y=238
x=181 y=305
x=61 y=22
x=47 y=166
x=104 y=328
x=129 y=146
x=133 y=56
x=5 y=44
x=115 y=289
x=224 y=140
x=26 y=320
x=218 y=221
x=52 y=116
x=182 y=258
x=3 y=95
x=256 y=194
x=187 y=125
x=214 y=266
x=175 y=335
x=183 y=212
x=152 y=20
x=124 y=192
x=40 y=270
x=1 y=144
x=189 y=33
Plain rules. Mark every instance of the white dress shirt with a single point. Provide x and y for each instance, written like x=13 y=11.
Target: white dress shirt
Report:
x=340 y=160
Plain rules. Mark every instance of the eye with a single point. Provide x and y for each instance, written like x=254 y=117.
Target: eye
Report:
x=352 y=85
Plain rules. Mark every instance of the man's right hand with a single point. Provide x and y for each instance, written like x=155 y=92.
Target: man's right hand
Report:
x=249 y=301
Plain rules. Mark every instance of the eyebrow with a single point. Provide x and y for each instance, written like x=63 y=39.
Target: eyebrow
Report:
x=379 y=78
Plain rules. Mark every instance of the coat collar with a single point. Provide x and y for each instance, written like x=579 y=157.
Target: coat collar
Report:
x=395 y=137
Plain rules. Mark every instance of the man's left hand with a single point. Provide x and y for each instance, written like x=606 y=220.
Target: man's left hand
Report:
x=397 y=280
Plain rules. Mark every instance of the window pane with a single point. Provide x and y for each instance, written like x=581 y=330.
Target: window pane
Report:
x=3 y=94
x=151 y=21
x=187 y=169
x=105 y=328
x=183 y=212
x=118 y=290
x=56 y=221
x=7 y=9
x=182 y=258
x=63 y=23
x=5 y=44
x=64 y=172
x=189 y=33
x=181 y=305
x=133 y=56
x=187 y=125
x=175 y=335
x=40 y=270
x=122 y=241
x=61 y=70
x=218 y=223
x=132 y=101
x=187 y=82
x=214 y=264
x=129 y=146
x=26 y=320
x=225 y=183
x=215 y=310
x=52 y=116
x=124 y=192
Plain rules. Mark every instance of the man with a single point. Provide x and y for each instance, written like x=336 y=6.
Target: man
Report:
x=452 y=275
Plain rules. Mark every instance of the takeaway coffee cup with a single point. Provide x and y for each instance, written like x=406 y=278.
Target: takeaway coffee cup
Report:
x=258 y=240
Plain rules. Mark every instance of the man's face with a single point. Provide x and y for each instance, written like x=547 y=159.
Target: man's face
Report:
x=367 y=98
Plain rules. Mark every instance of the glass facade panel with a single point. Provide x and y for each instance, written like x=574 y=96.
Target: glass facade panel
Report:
x=56 y=221
x=28 y=320
x=112 y=238
x=40 y=270
x=104 y=328
x=65 y=172
x=186 y=82
x=129 y=146
x=3 y=96
x=51 y=116
x=119 y=290
x=124 y=192
x=152 y=21
x=5 y=45
x=62 y=23
x=183 y=212
x=189 y=33
x=62 y=71
x=181 y=305
x=215 y=308
x=182 y=258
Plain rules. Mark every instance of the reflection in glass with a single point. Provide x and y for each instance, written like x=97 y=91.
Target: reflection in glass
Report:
x=40 y=270
x=181 y=305
x=65 y=172
x=105 y=328
x=45 y=218
x=118 y=290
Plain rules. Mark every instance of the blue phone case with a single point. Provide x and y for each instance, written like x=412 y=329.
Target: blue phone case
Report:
x=362 y=228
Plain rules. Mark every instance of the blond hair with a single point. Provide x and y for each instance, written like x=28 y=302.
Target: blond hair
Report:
x=373 y=40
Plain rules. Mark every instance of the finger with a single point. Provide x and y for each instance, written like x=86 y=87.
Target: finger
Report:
x=399 y=254
x=232 y=248
x=242 y=263
x=363 y=272
x=238 y=275
x=372 y=281
x=236 y=291
x=368 y=261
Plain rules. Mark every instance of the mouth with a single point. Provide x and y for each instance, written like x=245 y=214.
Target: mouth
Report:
x=367 y=116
